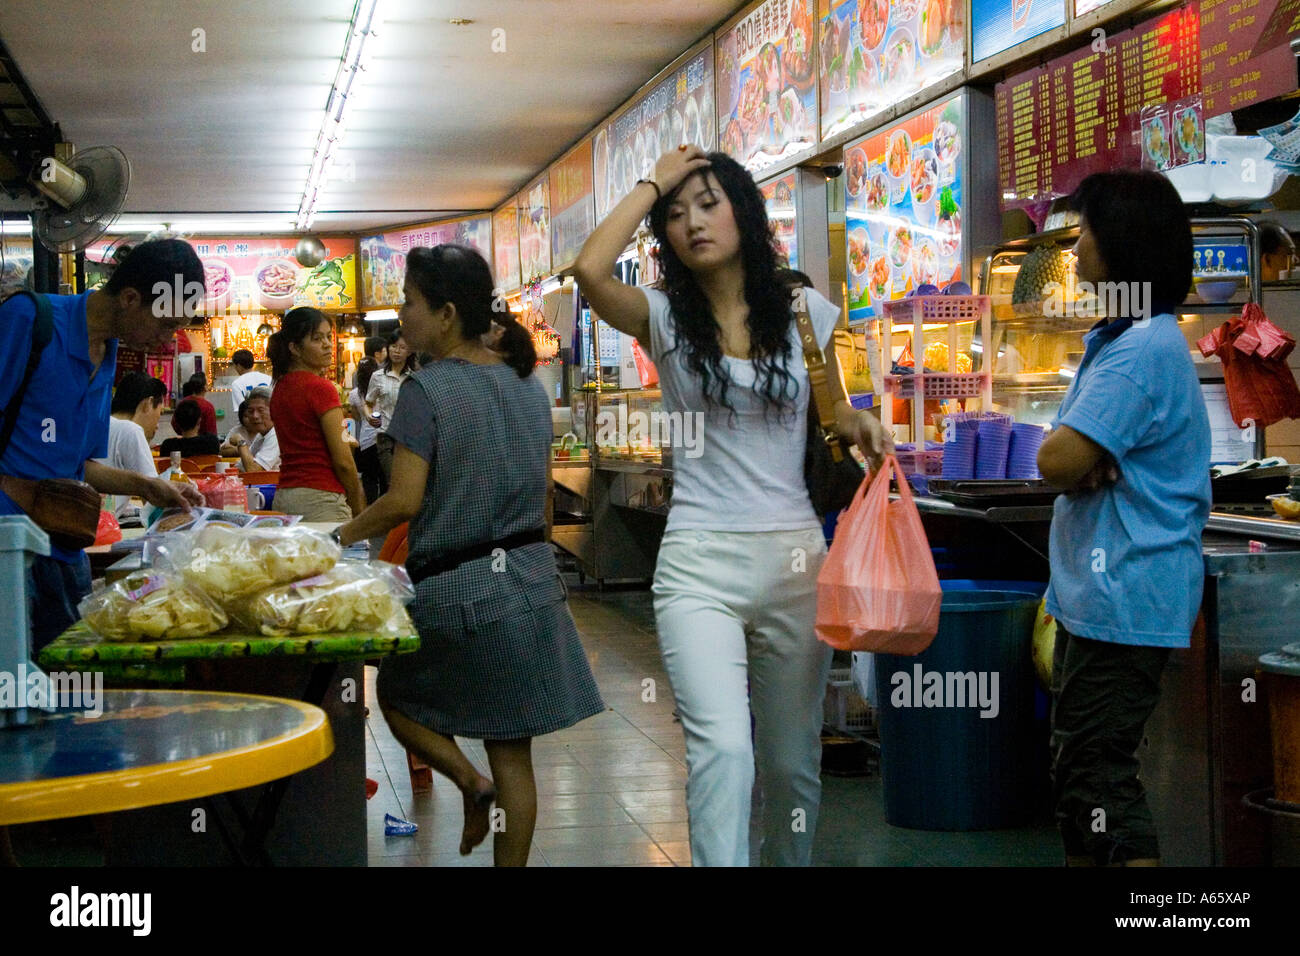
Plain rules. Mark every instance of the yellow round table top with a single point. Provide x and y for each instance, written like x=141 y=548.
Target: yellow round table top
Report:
x=125 y=749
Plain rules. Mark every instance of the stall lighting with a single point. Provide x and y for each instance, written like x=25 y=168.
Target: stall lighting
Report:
x=383 y=315
x=356 y=54
x=15 y=227
x=1066 y=372
x=550 y=285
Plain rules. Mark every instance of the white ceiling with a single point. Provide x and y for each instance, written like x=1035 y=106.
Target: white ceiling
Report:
x=443 y=123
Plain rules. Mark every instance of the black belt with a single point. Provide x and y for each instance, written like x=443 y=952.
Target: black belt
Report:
x=449 y=562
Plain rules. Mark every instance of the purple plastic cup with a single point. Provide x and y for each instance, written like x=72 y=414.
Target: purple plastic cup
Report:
x=991 y=453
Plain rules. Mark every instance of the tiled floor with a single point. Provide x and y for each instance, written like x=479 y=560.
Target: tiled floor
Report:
x=611 y=790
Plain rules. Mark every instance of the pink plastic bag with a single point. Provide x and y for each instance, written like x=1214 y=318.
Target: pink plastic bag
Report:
x=878 y=589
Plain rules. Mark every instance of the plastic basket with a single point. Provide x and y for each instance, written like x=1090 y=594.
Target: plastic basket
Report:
x=845 y=709
x=937 y=308
x=928 y=463
x=938 y=385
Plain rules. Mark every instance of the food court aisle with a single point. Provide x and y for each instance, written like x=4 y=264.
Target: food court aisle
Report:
x=611 y=790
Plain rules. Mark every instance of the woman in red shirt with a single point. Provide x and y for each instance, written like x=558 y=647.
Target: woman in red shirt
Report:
x=318 y=478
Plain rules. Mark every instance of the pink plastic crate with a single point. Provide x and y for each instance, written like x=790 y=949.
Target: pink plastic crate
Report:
x=938 y=385
x=928 y=463
x=937 y=308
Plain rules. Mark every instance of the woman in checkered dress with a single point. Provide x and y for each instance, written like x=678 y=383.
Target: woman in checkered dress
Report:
x=500 y=658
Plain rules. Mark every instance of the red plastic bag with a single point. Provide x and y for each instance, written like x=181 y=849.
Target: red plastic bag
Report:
x=645 y=369
x=1260 y=385
x=878 y=589
x=109 y=531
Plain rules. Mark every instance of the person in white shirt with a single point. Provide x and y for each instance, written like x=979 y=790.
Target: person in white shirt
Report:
x=735 y=584
x=253 y=439
x=366 y=453
x=136 y=408
x=381 y=396
x=246 y=379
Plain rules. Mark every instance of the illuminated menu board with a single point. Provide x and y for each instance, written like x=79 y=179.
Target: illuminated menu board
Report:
x=997 y=25
x=1245 y=54
x=1078 y=114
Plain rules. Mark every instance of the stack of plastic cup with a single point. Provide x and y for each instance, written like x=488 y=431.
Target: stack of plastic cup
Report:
x=991 y=453
x=1022 y=456
x=959 y=454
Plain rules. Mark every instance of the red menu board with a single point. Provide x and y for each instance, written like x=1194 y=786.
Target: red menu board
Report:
x=1078 y=114
x=505 y=246
x=1245 y=57
x=573 y=209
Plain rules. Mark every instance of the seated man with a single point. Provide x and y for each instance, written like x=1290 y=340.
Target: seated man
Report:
x=185 y=422
x=137 y=406
x=196 y=389
x=253 y=439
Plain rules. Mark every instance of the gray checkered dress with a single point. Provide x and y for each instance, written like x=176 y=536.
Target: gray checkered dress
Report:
x=499 y=656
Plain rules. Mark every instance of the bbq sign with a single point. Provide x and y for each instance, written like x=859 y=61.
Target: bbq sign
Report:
x=767 y=84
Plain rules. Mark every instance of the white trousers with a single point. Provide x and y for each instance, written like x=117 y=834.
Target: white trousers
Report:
x=735 y=614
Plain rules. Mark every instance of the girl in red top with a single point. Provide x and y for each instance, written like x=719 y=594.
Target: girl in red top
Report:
x=318 y=478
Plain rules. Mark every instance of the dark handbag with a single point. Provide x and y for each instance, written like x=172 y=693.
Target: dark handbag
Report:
x=65 y=509
x=829 y=470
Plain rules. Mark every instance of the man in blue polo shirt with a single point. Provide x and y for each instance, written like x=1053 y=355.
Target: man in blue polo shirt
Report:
x=1132 y=449
x=63 y=418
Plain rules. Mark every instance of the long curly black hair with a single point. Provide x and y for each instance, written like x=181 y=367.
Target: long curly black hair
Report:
x=767 y=293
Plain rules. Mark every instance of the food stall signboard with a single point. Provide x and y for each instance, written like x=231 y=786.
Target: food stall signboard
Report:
x=876 y=53
x=535 y=232
x=767 y=86
x=505 y=246
x=245 y=275
x=678 y=109
x=1080 y=113
x=780 y=197
x=573 y=210
x=997 y=25
x=383 y=257
x=903 y=208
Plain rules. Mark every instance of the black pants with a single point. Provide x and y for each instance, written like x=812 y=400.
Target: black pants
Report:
x=372 y=479
x=1102 y=695
x=54 y=589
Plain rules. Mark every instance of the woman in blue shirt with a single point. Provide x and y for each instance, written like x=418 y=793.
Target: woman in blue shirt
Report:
x=1131 y=447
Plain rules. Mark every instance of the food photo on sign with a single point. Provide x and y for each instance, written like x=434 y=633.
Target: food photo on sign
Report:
x=263 y=274
x=875 y=54
x=767 y=90
x=678 y=109
x=383 y=257
x=903 y=209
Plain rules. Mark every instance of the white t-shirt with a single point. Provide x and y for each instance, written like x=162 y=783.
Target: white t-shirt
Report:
x=741 y=473
x=265 y=449
x=382 y=394
x=241 y=386
x=128 y=448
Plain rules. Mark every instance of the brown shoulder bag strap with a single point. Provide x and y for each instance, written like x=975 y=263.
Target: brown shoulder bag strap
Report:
x=815 y=361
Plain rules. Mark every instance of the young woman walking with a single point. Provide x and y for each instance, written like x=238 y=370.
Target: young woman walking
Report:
x=735 y=586
x=499 y=659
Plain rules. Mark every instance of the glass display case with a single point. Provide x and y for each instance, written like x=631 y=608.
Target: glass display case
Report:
x=1041 y=315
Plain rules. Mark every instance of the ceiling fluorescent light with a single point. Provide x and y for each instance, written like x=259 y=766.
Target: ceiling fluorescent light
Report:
x=356 y=53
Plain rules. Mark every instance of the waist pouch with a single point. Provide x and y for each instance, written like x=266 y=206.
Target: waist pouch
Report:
x=65 y=509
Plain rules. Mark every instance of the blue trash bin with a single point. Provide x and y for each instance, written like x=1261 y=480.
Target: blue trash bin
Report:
x=959 y=745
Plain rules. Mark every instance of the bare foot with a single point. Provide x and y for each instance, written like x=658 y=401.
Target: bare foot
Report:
x=478 y=806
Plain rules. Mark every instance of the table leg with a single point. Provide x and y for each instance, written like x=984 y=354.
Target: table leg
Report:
x=268 y=804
